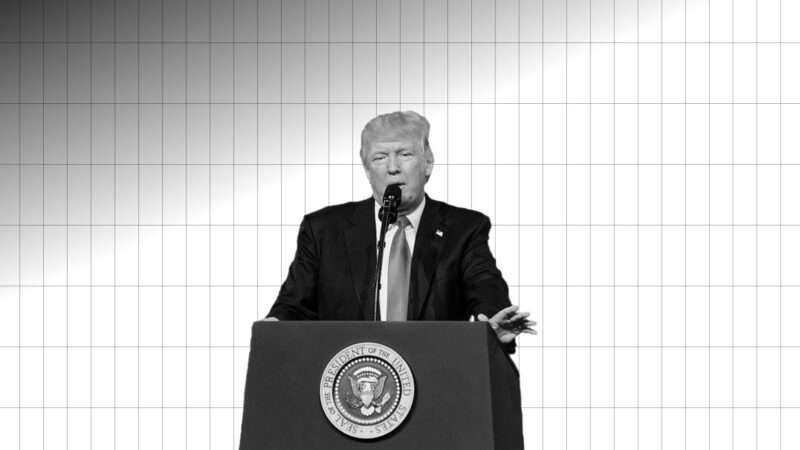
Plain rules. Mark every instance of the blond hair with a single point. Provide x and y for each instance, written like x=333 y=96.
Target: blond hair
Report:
x=399 y=124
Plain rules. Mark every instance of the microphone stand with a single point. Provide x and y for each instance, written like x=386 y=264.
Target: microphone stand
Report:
x=387 y=214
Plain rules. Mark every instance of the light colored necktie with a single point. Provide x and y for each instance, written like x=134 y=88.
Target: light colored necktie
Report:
x=398 y=275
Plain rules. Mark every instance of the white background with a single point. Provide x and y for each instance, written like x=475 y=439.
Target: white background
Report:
x=640 y=162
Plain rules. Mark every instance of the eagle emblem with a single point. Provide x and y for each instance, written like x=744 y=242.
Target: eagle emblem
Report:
x=367 y=387
x=367 y=390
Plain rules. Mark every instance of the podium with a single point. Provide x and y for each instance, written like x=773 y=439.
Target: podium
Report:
x=466 y=392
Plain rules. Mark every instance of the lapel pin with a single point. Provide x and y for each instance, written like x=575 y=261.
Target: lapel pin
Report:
x=439 y=233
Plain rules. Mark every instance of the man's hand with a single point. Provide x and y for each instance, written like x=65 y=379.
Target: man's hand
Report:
x=509 y=323
x=270 y=319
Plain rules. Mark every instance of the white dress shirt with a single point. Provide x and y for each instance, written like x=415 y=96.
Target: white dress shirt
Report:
x=411 y=234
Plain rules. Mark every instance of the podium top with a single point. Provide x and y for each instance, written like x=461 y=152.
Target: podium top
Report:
x=478 y=335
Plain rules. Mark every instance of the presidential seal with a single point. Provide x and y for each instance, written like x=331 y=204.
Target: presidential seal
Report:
x=366 y=390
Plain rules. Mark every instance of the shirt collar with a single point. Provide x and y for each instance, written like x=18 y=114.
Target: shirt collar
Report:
x=413 y=217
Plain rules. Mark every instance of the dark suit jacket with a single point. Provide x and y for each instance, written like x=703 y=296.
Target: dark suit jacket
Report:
x=453 y=272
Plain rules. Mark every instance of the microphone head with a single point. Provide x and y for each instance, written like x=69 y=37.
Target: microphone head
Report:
x=392 y=196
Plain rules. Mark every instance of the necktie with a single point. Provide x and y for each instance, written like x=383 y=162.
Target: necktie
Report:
x=398 y=275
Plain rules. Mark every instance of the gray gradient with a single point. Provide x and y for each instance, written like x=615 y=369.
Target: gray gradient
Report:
x=640 y=162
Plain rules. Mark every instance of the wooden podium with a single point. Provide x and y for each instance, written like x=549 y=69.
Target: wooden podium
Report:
x=466 y=394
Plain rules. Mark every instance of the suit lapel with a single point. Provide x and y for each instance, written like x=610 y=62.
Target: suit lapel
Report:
x=427 y=245
x=359 y=239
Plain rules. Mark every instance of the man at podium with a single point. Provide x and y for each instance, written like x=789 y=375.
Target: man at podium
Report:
x=436 y=264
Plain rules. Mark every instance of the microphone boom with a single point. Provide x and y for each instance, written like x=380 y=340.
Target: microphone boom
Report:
x=388 y=214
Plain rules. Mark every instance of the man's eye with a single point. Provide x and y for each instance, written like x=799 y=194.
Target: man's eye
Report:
x=407 y=154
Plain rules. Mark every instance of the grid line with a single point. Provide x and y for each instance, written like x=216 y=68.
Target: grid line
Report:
x=186 y=239
x=543 y=319
x=44 y=205
x=733 y=231
x=91 y=243
x=780 y=231
x=328 y=103
x=685 y=259
x=661 y=219
x=408 y=43
x=614 y=215
x=566 y=217
x=66 y=253
x=19 y=221
x=138 y=223
x=210 y=149
x=591 y=335
x=709 y=221
x=163 y=196
x=638 y=211
x=756 y=236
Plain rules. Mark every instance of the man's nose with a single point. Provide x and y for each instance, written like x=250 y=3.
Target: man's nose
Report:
x=393 y=167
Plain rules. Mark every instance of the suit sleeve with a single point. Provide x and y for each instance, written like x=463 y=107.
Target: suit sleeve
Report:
x=297 y=299
x=485 y=290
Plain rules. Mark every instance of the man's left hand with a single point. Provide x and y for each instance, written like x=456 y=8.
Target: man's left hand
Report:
x=509 y=323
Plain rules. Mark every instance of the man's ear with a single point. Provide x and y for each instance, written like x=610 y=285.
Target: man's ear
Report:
x=428 y=163
x=366 y=169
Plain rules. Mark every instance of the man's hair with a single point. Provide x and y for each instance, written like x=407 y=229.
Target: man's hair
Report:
x=408 y=125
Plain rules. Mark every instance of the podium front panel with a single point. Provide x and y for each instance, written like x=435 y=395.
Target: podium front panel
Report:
x=450 y=362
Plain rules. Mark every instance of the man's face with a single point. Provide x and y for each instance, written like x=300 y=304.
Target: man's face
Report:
x=398 y=161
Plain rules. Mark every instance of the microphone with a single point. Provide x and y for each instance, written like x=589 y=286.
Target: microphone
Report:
x=392 y=196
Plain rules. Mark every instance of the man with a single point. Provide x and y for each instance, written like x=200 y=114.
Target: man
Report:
x=439 y=267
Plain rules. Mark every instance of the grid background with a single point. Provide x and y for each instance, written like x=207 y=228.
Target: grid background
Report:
x=637 y=159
